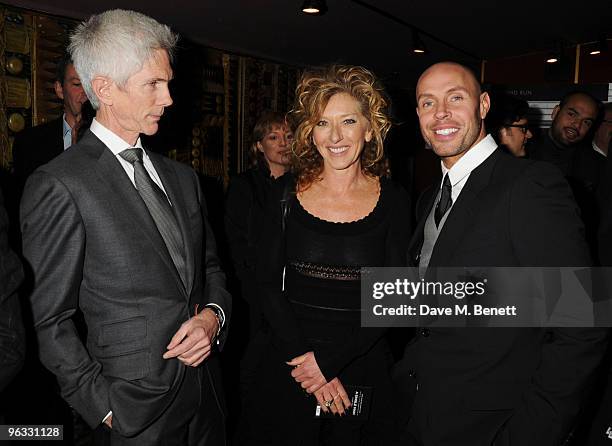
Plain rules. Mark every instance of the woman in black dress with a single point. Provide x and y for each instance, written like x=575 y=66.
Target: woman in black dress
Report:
x=339 y=212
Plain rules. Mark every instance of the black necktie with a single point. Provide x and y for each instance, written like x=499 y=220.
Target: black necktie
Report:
x=157 y=203
x=445 y=200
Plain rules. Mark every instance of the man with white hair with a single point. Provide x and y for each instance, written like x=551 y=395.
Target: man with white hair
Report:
x=122 y=234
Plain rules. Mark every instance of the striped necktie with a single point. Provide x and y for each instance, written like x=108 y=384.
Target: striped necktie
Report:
x=159 y=207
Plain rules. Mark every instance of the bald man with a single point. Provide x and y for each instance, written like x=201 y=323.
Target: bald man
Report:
x=572 y=121
x=567 y=145
x=485 y=386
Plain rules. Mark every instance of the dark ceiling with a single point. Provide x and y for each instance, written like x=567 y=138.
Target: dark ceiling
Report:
x=352 y=33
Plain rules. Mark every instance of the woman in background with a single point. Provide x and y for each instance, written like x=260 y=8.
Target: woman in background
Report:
x=246 y=197
x=244 y=220
x=509 y=125
x=337 y=213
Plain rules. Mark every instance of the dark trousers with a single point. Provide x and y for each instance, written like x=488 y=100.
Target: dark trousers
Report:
x=193 y=419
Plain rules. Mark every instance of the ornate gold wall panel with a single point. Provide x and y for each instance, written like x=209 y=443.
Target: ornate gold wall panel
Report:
x=252 y=86
x=206 y=147
x=15 y=83
x=264 y=86
x=30 y=46
x=51 y=39
x=219 y=98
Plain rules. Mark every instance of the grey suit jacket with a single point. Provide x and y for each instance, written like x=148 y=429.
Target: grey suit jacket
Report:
x=92 y=244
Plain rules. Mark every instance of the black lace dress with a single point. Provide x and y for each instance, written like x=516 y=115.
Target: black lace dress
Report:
x=320 y=311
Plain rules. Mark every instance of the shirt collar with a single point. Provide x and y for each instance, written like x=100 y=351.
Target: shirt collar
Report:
x=597 y=149
x=111 y=140
x=470 y=160
x=65 y=125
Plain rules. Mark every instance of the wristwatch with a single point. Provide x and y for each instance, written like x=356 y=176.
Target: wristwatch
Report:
x=220 y=318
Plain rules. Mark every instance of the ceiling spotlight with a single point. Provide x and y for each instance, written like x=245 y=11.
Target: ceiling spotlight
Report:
x=314 y=7
x=556 y=54
x=552 y=58
x=599 y=47
x=418 y=47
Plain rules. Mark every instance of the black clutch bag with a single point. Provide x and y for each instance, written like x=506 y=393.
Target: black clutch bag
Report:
x=361 y=400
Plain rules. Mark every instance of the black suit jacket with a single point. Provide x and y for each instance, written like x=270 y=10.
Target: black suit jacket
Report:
x=583 y=169
x=244 y=221
x=244 y=224
x=604 y=201
x=36 y=146
x=93 y=245
x=518 y=386
x=12 y=336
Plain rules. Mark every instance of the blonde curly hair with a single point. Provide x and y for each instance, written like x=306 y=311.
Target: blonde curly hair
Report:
x=312 y=95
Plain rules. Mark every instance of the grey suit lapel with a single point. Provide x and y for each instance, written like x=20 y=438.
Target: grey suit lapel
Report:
x=126 y=197
x=171 y=185
x=416 y=242
x=462 y=213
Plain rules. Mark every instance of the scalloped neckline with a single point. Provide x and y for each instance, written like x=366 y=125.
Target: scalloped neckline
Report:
x=339 y=223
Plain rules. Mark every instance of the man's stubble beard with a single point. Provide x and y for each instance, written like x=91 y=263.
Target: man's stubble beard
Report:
x=464 y=145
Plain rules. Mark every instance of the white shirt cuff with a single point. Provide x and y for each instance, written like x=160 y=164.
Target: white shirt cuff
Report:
x=220 y=309
x=107 y=415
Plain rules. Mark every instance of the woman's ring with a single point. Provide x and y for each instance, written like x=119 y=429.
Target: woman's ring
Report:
x=328 y=403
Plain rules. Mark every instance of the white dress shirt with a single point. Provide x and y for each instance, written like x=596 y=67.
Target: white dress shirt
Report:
x=461 y=170
x=598 y=150
x=67 y=134
x=116 y=145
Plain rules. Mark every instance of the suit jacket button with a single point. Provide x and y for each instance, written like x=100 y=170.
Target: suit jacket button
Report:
x=425 y=332
x=412 y=374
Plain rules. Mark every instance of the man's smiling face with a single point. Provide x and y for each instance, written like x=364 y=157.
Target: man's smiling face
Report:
x=451 y=108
